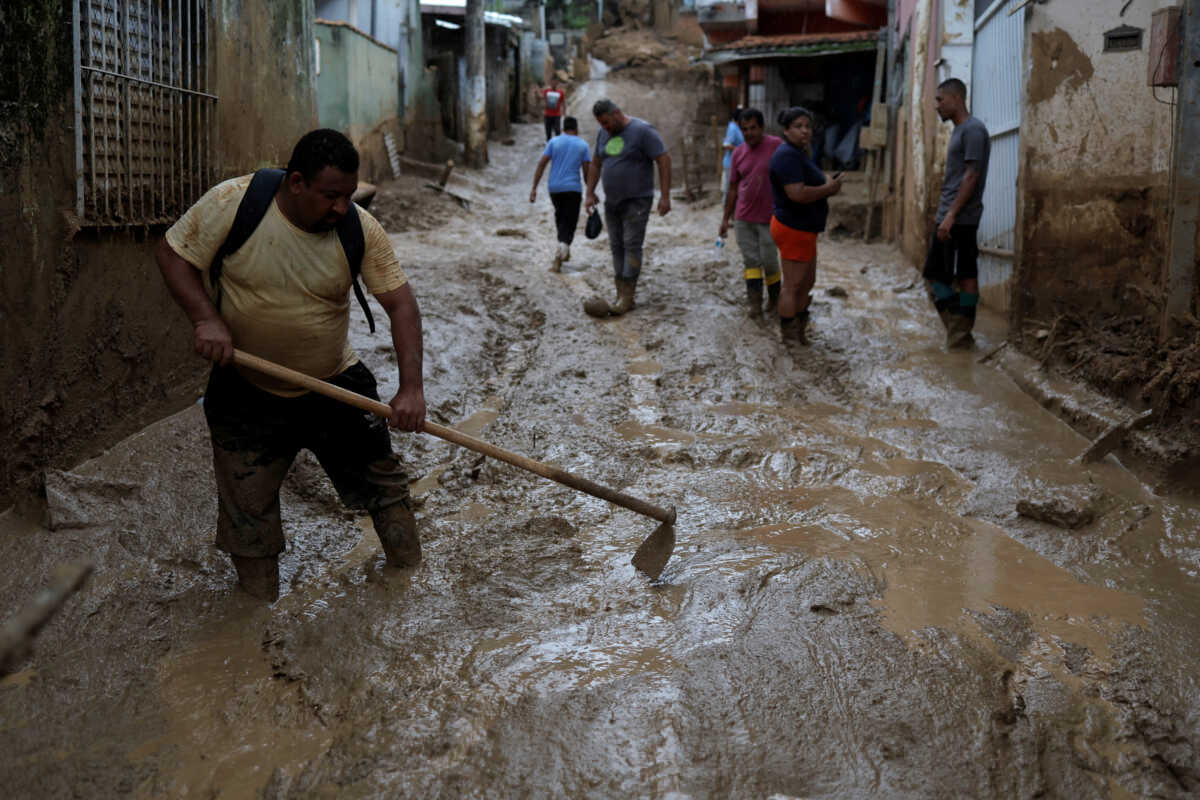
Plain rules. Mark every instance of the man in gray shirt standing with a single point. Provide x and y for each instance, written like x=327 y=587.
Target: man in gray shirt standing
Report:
x=954 y=252
x=626 y=151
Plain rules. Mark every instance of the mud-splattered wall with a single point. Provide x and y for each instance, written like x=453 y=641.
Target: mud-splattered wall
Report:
x=1096 y=153
x=94 y=347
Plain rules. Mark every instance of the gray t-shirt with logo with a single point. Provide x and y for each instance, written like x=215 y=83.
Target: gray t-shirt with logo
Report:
x=627 y=161
x=969 y=143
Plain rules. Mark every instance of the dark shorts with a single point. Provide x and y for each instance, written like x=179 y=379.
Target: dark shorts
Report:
x=257 y=435
x=958 y=257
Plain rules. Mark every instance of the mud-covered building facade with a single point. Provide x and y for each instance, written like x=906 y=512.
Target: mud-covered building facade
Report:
x=115 y=115
x=1078 y=200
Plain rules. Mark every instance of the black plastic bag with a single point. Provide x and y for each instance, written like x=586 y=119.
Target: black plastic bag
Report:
x=594 y=226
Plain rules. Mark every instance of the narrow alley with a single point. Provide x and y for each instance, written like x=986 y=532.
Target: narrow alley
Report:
x=905 y=564
x=849 y=561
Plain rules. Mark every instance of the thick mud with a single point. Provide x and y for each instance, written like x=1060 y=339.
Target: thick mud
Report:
x=854 y=608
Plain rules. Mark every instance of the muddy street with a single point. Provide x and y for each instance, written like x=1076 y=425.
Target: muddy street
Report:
x=854 y=607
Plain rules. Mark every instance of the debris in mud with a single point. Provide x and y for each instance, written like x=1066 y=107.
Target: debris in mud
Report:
x=904 y=288
x=402 y=205
x=836 y=291
x=1112 y=438
x=596 y=306
x=1068 y=508
x=516 y=232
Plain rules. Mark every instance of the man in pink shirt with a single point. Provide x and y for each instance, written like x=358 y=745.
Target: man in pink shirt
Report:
x=749 y=203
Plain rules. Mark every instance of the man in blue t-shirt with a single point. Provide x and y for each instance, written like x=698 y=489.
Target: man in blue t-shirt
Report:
x=627 y=151
x=568 y=157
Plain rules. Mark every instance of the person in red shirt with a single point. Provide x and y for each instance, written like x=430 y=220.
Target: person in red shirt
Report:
x=555 y=100
x=749 y=202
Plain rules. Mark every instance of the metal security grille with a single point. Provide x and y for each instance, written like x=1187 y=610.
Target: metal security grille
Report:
x=144 y=115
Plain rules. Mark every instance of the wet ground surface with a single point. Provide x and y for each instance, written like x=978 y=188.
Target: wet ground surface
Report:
x=854 y=608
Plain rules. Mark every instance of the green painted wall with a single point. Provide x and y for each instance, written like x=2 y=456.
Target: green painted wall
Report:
x=357 y=81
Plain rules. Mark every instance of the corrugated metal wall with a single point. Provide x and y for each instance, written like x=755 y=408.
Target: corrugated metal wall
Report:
x=996 y=87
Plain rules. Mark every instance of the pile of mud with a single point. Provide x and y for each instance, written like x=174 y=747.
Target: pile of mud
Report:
x=631 y=47
x=1119 y=355
x=408 y=205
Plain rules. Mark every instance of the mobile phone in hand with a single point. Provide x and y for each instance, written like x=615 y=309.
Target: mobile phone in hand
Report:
x=837 y=175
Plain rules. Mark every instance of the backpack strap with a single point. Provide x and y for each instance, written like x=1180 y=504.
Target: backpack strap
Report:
x=350 y=234
x=250 y=212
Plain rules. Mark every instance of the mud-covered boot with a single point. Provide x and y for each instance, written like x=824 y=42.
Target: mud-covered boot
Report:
x=258 y=577
x=397 y=530
x=958 y=332
x=802 y=328
x=625 y=291
x=787 y=330
x=556 y=265
x=566 y=248
x=773 y=297
x=754 y=299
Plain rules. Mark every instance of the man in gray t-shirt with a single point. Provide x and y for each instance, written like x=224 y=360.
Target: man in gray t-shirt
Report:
x=627 y=150
x=954 y=252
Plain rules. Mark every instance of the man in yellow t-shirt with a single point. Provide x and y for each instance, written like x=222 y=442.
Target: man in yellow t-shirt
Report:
x=284 y=296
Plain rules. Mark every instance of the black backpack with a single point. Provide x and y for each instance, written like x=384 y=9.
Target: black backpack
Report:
x=255 y=203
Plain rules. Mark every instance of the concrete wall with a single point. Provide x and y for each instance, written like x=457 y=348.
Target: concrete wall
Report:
x=358 y=91
x=1096 y=154
x=919 y=141
x=94 y=347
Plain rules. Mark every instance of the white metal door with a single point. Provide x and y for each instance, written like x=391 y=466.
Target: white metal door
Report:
x=996 y=86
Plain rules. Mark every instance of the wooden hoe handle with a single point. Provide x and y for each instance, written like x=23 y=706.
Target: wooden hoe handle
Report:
x=665 y=515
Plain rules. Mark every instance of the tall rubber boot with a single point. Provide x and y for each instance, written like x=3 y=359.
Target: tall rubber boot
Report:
x=945 y=301
x=397 y=530
x=625 y=292
x=773 y=296
x=556 y=265
x=961 y=322
x=258 y=577
x=754 y=298
x=802 y=327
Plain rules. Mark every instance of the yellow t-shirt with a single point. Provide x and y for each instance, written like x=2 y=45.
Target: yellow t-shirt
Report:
x=285 y=293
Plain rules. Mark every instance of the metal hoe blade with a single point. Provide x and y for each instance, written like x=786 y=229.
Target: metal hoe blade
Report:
x=652 y=555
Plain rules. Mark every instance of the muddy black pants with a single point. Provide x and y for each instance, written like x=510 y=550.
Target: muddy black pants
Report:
x=257 y=435
x=566 y=214
x=626 y=222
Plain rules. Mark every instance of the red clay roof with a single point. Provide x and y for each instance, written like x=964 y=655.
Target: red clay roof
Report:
x=796 y=39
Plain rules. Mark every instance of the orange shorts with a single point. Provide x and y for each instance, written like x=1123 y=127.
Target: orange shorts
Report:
x=794 y=245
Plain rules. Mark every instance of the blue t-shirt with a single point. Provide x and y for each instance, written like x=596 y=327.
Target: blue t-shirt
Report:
x=733 y=136
x=790 y=165
x=567 y=154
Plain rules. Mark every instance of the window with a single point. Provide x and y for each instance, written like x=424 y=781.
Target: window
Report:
x=145 y=118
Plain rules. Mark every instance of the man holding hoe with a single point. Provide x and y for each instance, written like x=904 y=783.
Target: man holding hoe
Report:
x=282 y=293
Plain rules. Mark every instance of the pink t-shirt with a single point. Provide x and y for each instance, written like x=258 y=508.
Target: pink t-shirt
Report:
x=750 y=171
